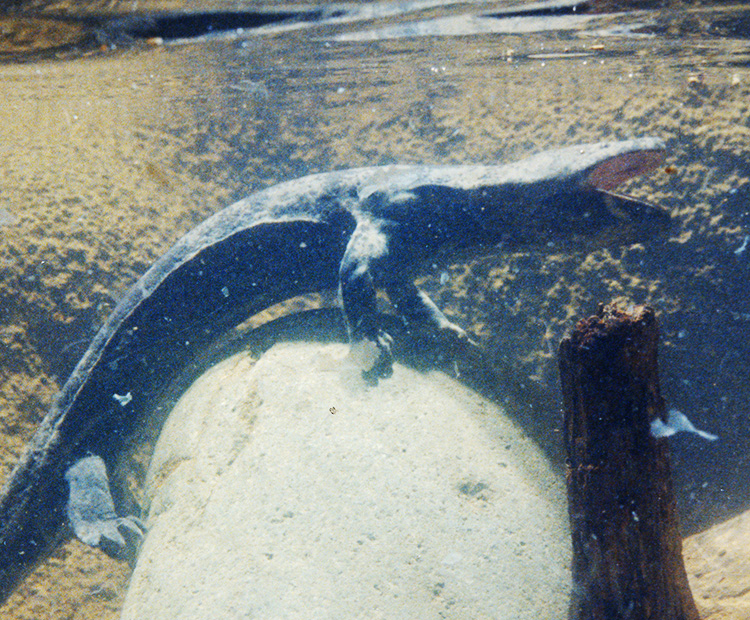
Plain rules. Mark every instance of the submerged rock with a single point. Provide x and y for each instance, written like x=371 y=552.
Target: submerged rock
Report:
x=718 y=566
x=290 y=489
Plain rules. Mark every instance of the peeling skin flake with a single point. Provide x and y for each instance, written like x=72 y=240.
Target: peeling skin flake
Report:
x=676 y=422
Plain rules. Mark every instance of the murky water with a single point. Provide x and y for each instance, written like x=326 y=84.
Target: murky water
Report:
x=114 y=145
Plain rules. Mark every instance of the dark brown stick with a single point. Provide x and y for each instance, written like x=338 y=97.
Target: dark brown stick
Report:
x=627 y=550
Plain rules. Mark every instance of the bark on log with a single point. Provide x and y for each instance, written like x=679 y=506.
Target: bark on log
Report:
x=627 y=549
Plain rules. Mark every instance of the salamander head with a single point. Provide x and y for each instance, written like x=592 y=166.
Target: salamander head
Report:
x=573 y=208
x=598 y=217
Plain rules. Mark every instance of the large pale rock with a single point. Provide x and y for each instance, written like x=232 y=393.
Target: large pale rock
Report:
x=718 y=567
x=289 y=489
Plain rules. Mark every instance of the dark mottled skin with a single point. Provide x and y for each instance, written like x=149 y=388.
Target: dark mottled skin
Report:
x=356 y=229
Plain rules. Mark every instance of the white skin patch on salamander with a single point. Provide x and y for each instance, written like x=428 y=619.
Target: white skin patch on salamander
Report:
x=361 y=269
x=371 y=240
x=364 y=354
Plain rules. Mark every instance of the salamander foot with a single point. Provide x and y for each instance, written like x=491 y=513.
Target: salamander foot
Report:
x=91 y=512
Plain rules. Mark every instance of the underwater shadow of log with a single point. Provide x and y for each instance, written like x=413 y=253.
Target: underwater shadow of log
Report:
x=627 y=549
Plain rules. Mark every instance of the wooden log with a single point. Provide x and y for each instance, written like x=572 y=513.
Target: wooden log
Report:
x=627 y=549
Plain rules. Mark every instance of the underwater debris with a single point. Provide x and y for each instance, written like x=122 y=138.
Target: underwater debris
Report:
x=675 y=423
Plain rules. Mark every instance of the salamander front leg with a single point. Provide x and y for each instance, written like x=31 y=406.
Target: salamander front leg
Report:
x=370 y=344
x=91 y=512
